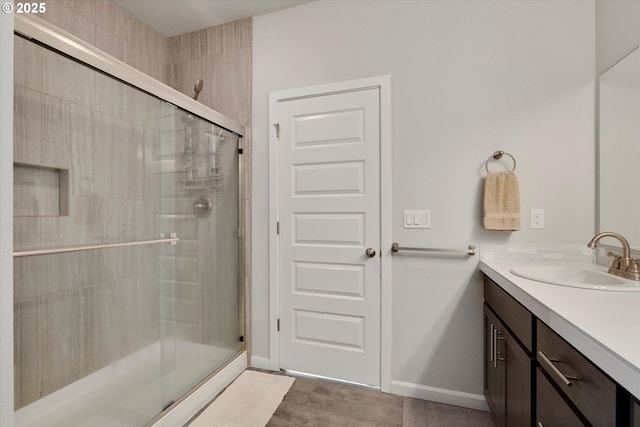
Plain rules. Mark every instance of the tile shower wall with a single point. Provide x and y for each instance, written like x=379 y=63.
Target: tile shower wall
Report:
x=76 y=313
x=111 y=29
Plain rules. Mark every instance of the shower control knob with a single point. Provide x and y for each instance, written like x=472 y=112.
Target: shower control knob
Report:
x=370 y=252
x=202 y=206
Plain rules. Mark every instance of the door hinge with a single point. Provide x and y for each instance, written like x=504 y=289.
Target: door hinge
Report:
x=278 y=228
x=277 y=126
x=241 y=338
x=278 y=325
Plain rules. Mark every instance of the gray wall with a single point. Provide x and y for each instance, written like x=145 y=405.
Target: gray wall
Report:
x=617 y=31
x=468 y=78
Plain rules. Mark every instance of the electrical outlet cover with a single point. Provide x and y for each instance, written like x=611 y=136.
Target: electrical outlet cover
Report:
x=537 y=218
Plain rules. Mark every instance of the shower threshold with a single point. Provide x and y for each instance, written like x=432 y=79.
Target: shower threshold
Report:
x=130 y=392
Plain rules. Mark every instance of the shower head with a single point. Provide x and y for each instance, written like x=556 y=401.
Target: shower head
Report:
x=198 y=88
x=189 y=120
x=215 y=140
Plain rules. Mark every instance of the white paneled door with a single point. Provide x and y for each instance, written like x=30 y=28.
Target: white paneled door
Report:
x=329 y=235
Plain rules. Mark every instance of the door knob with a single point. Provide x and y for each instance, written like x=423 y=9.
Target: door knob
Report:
x=370 y=252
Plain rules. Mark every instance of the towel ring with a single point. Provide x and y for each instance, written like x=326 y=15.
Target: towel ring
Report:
x=497 y=156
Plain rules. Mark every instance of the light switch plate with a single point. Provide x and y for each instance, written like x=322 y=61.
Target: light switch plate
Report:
x=417 y=219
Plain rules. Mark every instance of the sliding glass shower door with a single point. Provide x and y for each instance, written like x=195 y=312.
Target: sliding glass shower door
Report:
x=126 y=249
x=202 y=169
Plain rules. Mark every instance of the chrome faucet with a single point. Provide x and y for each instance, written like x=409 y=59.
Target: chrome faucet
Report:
x=624 y=265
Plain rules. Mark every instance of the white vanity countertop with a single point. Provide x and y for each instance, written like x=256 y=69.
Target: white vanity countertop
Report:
x=602 y=325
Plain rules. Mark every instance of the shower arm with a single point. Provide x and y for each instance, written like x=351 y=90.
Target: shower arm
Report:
x=198 y=88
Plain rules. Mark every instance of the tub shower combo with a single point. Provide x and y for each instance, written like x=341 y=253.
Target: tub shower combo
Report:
x=128 y=298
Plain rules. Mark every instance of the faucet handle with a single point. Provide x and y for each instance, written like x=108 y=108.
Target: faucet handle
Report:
x=633 y=270
x=616 y=260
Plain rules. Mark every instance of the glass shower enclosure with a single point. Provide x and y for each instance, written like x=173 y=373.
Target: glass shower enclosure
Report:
x=127 y=250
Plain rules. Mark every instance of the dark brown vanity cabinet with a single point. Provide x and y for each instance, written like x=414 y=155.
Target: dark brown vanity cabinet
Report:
x=533 y=377
x=508 y=360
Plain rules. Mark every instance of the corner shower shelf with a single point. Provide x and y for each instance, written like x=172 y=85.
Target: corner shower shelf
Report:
x=214 y=182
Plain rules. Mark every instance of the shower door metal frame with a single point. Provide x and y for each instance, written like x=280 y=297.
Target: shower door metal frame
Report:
x=52 y=37
x=76 y=48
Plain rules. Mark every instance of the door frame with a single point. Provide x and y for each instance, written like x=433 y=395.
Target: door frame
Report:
x=383 y=84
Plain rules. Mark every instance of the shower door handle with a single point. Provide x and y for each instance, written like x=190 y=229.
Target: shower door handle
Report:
x=370 y=252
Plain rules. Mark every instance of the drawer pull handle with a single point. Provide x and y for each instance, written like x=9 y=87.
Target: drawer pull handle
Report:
x=499 y=356
x=540 y=424
x=494 y=354
x=495 y=347
x=565 y=378
x=497 y=336
x=493 y=343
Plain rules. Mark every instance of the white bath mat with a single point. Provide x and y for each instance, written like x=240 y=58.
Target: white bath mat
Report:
x=249 y=401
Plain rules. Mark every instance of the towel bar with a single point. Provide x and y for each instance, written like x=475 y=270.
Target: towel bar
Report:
x=173 y=239
x=497 y=155
x=395 y=247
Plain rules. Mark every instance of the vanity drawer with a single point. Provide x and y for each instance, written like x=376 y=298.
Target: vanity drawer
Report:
x=517 y=318
x=592 y=392
x=551 y=409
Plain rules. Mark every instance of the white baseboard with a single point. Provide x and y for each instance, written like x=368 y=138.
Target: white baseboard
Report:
x=433 y=394
x=440 y=395
x=260 y=362
x=186 y=409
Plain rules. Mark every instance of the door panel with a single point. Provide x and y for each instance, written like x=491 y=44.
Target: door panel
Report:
x=333 y=229
x=326 y=179
x=331 y=279
x=329 y=329
x=328 y=127
x=329 y=213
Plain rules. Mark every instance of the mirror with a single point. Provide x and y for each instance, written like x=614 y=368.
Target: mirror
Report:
x=619 y=149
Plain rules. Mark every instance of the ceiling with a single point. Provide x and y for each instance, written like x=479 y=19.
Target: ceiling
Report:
x=173 y=17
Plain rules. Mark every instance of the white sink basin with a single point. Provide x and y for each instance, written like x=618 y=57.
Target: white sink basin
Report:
x=576 y=276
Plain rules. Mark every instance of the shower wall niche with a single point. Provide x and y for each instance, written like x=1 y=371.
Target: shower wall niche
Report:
x=114 y=319
x=40 y=191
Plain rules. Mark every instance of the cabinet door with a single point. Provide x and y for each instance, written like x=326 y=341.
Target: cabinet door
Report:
x=636 y=414
x=551 y=409
x=515 y=316
x=518 y=383
x=592 y=392
x=494 y=368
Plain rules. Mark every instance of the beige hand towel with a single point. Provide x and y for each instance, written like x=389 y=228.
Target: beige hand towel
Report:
x=501 y=209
